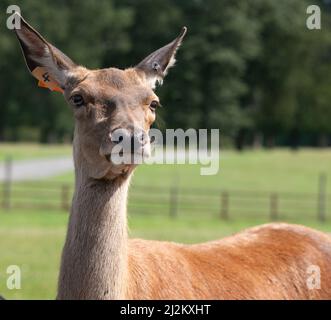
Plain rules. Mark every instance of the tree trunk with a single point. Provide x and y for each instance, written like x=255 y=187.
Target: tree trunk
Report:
x=323 y=140
x=257 y=140
x=2 y=133
x=270 y=141
x=294 y=139
x=240 y=140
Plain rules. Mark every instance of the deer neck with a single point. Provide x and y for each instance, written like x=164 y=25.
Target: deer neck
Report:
x=94 y=258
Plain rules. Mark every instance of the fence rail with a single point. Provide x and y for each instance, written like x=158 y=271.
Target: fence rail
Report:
x=175 y=201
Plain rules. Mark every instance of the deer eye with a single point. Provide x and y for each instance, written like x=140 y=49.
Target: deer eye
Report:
x=77 y=100
x=154 y=105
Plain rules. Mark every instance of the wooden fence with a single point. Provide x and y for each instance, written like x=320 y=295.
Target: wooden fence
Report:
x=175 y=201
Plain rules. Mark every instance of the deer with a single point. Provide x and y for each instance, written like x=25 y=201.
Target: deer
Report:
x=99 y=260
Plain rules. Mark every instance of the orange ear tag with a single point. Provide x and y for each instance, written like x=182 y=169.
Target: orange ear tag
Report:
x=45 y=80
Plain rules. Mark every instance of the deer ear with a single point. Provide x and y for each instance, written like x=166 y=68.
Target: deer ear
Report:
x=46 y=63
x=156 y=65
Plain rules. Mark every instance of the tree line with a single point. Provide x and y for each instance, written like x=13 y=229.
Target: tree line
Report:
x=249 y=67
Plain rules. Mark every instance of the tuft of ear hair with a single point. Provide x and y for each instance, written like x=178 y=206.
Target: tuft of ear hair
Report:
x=156 y=65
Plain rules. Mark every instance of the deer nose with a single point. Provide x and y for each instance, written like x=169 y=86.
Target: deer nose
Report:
x=133 y=140
x=118 y=140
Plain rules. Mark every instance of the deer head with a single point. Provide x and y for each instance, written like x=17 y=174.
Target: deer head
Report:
x=110 y=106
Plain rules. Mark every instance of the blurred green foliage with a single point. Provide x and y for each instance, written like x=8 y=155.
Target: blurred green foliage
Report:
x=248 y=67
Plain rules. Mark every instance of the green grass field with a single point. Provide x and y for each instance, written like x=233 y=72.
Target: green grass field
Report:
x=32 y=239
x=20 y=151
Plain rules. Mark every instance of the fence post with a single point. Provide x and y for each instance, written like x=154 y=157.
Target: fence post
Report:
x=173 y=205
x=273 y=206
x=8 y=166
x=65 y=205
x=224 y=205
x=321 y=212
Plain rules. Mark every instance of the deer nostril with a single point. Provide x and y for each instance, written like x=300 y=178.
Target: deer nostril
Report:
x=117 y=140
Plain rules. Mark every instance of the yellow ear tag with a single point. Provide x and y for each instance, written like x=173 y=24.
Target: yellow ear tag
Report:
x=45 y=80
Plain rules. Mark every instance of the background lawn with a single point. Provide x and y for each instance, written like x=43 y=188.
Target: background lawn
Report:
x=24 y=151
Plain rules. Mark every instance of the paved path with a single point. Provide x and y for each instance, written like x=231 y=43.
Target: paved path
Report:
x=38 y=168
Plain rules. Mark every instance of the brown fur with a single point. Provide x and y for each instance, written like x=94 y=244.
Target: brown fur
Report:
x=98 y=260
x=266 y=262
